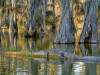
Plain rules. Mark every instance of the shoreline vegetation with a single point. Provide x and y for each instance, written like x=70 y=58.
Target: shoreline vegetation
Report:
x=30 y=55
x=52 y=55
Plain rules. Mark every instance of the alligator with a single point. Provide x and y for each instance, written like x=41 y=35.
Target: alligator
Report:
x=65 y=54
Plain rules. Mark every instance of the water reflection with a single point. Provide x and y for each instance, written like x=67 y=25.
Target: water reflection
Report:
x=31 y=44
x=30 y=66
x=89 y=49
x=91 y=69
x=70 y=47
x=17 y=40
x=12 y=39
x=78 y=68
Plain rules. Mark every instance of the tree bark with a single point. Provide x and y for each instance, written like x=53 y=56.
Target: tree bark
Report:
x=13 y=22
x=66 y=30
x=90 y=29
x=53 y=13
x=13 y=3
x=30 y=16
x=37 y=6
x=44 y=11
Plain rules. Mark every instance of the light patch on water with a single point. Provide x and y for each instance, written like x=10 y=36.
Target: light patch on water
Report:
x=78 y=68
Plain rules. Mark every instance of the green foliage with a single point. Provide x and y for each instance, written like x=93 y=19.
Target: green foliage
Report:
x=57 y=18
x=11 y=49
x=49 y=20
x=38 y=30
x=26 y=51
x=54 y=57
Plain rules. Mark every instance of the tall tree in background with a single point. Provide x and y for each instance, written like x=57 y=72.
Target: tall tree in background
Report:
x=37 y=7
x=2 y=2
x=30 y=16
x=90 y=29
x=44 y=11
x=13 y=22
x=13 y=3
x=53 y=13
x=66 y=30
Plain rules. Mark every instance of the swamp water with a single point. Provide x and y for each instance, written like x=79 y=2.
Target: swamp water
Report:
x=19 y=65
x=16 y=42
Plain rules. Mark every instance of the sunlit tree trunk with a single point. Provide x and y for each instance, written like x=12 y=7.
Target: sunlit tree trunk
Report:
x=66 y=30
x=13 y=3
x=11 y=25
x=13 y=22
x=30 y=16
x=90 y=29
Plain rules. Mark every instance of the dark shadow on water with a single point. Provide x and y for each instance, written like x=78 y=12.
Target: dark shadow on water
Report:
x=31 y=44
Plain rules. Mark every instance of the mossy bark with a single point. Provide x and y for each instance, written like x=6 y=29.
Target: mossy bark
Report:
x=66 y=30
x=44 y=11
x=90 y=29
x=31 y=26
x=30 y=16
x=13 y=3
x=13 y=22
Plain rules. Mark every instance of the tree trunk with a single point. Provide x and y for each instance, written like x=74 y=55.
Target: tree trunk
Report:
x=90 y=29
x=53 y=13
x=30 y=16
x=13 y=3
x=66 y=30
x=37 y=6
x=13 y=22
x=44 y=11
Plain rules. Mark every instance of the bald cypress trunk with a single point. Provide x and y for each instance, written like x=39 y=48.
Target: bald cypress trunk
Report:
x=13 y=22
x=13 y=3
x=37 y=7
x=44 y=11
x=66 y=30
x=30 y=16
x=53 y=13
x=90 y=29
